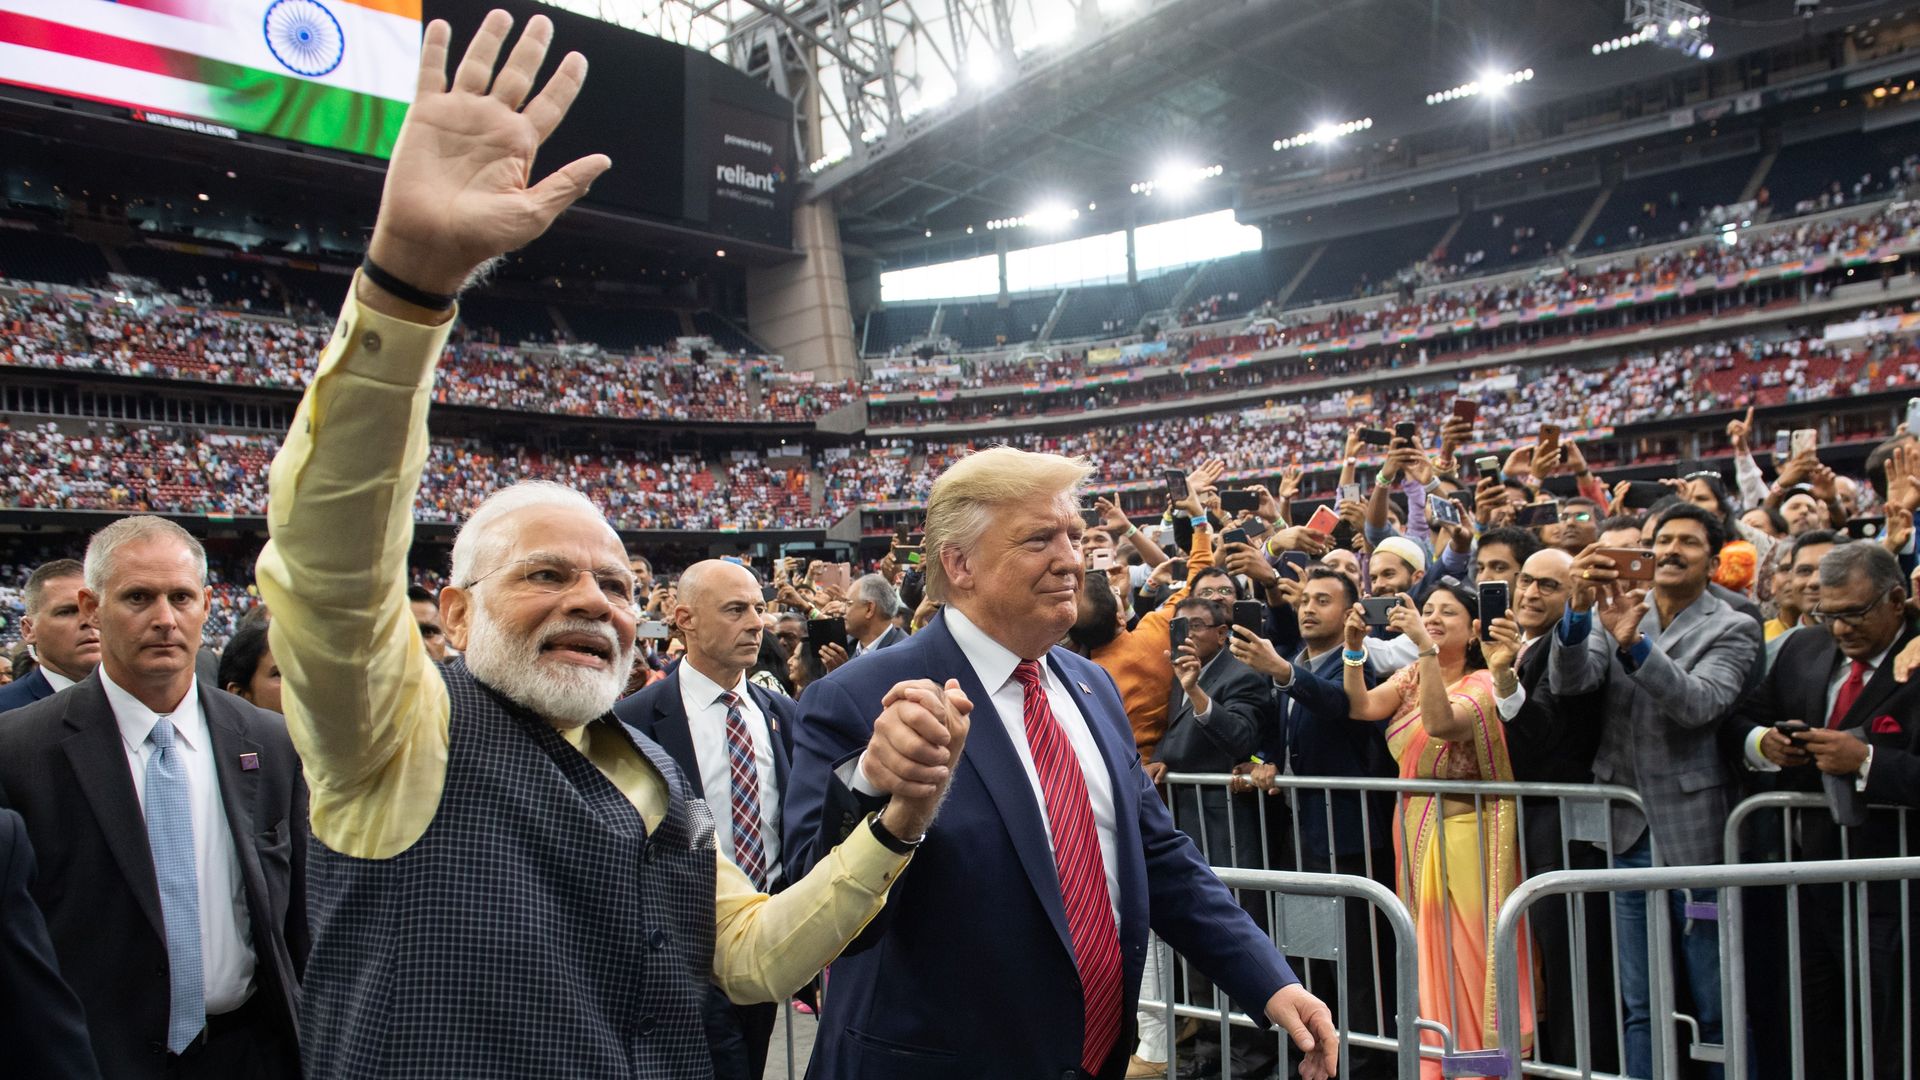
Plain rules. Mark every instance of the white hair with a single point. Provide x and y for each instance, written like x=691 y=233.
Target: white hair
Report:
x=478 y=542
x=137 y=529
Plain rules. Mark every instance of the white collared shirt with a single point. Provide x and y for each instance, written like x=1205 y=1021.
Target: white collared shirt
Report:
x=993 y=663
x=226 y=935
x=707 y=723
x=1836 y=679
x=56 y=680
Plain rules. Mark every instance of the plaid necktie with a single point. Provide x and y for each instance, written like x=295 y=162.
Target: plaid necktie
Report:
x=1082 y=869
x=749 y=848
x=170 y=835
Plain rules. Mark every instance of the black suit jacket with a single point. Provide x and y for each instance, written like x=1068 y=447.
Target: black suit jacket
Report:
x=22 y=692
x=1242 y=714
x=64 y=768
x=1795 y=688
x=42 y=1025
x=1552 y=740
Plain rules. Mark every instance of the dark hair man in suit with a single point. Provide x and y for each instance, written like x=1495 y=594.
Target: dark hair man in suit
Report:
x=732 y=740
x=170 y=816
x=1861 y=745
x=1053 y=855
x=65 y=643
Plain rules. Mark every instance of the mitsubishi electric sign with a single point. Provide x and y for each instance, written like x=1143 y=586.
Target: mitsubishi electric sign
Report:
x=748 y=191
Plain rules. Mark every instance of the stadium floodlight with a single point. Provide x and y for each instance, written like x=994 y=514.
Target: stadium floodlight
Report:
x=1492 y=83
x=1670 y=24
x=1324 y=133
x=983 y=68
x=1051 y=216
x=1175 y=179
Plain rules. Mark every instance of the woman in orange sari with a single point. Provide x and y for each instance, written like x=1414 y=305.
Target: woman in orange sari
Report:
x=1456 y=866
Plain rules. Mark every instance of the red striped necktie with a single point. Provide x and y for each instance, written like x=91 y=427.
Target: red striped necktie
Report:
x=1082 y=870
x=743 y=775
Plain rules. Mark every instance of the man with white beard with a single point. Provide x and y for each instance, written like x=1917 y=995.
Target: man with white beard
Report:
x=504 y=882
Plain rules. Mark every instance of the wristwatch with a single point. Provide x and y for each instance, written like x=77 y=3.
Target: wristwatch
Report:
x=891 y=842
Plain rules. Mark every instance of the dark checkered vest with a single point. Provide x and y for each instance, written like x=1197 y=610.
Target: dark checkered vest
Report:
x=534 y=930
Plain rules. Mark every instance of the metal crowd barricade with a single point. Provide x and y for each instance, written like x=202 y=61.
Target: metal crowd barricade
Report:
x=1857 y=955
x=1584 y=818
x=1657 y=881
x=1308 y=916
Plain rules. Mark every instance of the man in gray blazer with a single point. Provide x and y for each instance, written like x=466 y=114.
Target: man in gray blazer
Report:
x=1671 y=662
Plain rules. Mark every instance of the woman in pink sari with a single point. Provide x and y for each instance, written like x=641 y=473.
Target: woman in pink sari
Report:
x=1456 y=866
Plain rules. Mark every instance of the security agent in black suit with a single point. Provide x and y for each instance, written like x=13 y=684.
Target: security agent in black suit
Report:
x=1861 y=746
x=68 y=765
x=1553 y=740
x=42 y=1025
x=66 y=646
x=718 y=612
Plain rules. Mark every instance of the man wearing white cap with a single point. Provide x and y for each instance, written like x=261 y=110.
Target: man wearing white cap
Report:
x=1397 y=566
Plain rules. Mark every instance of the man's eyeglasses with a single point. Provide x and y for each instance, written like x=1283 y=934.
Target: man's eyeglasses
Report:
x=430 y=630
x=1851 y=616
x=1577 y=515
x=541 y=574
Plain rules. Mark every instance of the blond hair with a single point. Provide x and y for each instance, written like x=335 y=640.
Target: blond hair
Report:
x=964 y=498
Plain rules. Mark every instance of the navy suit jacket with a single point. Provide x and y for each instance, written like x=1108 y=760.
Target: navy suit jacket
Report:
x=1321 y=740
x=977 y=916
x=42 y=1025
x=21 y=693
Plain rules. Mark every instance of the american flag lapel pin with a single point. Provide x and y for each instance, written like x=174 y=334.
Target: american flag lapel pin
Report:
x=249 y=762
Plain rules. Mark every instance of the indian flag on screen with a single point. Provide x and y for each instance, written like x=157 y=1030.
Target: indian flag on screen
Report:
x=334 y=73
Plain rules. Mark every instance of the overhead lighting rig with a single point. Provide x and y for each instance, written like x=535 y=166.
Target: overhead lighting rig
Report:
x=1668 y=24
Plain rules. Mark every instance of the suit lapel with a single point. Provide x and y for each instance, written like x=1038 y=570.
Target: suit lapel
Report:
x=99 y=760
x=673 y=730
x=232 y=747
x=38 y=685
x=764 y=699
x=991 y=754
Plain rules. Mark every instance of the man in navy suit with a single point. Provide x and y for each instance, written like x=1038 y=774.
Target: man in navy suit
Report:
x=1053 y=854
x=41 y=1022
x=65 y=643
x=733 y=740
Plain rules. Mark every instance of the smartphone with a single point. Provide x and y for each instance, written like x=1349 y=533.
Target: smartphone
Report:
x=1298 y=561
x=1535 y=515
x=1373 y=436
x=1255 y=528
x=1179 y=572
x=1348 y=493
x=1099 y=559
x=1251 y=614
x=1791 y=728
x=1177 y=633
x=837 y=574
x=1093 y=517
x=1466 y=409
x=1782 y=444
x=1378 y=609
x=1866 y=528
x=908 y=554
x=1324 y=520
x=1803 y=441
x=1488 y=465
x=1634 y=564
x=1495 y=599
x=1235 y=502
x=1444 y=512
x=1176 y=483
x=1642 y=494
x=1235 y=536
x=1405 y=429
x=768 y=593
x=653 y=628
x=1549 y=437
x=824 y=632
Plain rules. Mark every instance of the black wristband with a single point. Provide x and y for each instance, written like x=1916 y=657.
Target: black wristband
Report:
x=416 y=296
x=891 y=842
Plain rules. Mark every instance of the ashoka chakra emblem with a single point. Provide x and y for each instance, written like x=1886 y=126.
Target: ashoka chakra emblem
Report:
x=304 y=36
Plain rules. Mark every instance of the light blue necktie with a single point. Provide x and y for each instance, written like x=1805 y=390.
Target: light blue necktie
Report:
x=170 y=834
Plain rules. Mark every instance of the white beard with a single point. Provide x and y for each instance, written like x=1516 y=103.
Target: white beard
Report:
x=566 y=695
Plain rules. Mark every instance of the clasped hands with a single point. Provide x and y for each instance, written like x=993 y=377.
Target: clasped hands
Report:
x=916 y=745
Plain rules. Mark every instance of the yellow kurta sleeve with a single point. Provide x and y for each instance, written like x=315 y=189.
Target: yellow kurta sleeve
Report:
x=765 y=947
x=365 y=706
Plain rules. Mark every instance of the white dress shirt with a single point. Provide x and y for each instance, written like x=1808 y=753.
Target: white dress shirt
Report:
x=226 y=934
x=993 y=663
x=56 y=680
x=1836 y=679
x=707 y=722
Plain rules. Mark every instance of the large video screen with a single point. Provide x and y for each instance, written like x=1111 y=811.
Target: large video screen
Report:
x=332 y=73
